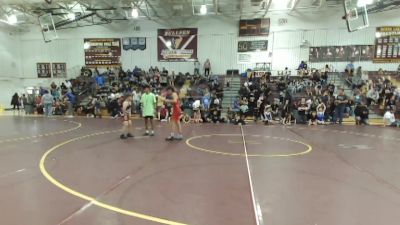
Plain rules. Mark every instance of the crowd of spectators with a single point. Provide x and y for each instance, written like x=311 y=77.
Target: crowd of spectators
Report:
x=94 y=93
x=309 y=97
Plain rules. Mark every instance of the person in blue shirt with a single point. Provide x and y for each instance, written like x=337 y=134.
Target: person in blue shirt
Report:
x=206 y=101
x=236 y=105
x=99 y=80
x=350 y=68
x=71 y=102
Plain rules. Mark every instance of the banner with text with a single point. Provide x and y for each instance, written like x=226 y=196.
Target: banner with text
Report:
x=134 y=43
x=387 y=45
x=252 y=46
x=102 y=52
x=179 y=45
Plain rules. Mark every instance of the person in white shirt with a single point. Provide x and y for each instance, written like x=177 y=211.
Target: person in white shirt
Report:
x=389 y=119
x=372 y=96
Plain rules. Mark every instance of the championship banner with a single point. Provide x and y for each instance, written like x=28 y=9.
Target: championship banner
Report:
x=387 y=45
x=59 y=70
x=43 y=70
x=179 y=45
x=252 y=46
x=102 y=52
x=341 y=53
x=134 y=43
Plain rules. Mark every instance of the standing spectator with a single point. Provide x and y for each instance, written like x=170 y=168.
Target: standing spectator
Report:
x=47 y=102
x=340 y=106
x=71 y=103
x=207 y=67
x=197 y=68
x=24 y=101
x=15 y=101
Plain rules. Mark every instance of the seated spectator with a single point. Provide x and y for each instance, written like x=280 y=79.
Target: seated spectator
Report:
x=302 y=111
x=321 y=108
x=372 y=97
x=389 y=119
x=236 y=105
x=267 y=114
x=196 y=111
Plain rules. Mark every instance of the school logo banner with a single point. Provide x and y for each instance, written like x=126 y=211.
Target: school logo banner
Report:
x=178 y=45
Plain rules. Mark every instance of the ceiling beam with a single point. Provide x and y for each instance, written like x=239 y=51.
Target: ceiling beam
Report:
x=241 y=6
x=267 y=5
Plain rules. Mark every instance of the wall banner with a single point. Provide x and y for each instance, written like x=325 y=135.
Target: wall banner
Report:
x=59 y=70
x=43 y=70
x=341 y=53
x=102 y=52
x=134 y=43
x=252 y=46
x=179 y=45
x=387 y=45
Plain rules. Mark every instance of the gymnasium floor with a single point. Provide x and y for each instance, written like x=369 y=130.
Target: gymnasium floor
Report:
x=78 y=172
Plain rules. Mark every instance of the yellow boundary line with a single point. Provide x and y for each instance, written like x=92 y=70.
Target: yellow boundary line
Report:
x=308 y=150
x=79 y=125
x=88 y=198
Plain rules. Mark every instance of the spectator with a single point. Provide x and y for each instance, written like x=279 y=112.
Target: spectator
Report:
x=207 y=67
x=47 y=102
x=340 y=106
x=361 y=114
x=15 y=101
x=389 y=119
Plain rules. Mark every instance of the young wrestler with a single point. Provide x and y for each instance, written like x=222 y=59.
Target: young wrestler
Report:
x=176 y=128
x=127 y=127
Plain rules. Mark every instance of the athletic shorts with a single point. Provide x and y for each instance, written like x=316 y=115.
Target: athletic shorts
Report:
x=149 y=117
x=176 y=116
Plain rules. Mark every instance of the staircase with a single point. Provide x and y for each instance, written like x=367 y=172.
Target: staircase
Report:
x=230 y=93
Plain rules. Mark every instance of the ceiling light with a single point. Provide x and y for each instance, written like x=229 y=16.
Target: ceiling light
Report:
x=378 y=34
x=71 y=16
x=362 y=3
x=168 y=44
x=135 y=13
x=12 y=19
x=86 y=45
x=203 y=10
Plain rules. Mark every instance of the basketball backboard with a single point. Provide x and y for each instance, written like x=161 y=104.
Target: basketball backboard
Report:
x=356 y=14
x=48 y=28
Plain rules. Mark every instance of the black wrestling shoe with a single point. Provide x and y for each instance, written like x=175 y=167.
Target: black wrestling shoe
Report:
x=123 y=137
x=129 y=135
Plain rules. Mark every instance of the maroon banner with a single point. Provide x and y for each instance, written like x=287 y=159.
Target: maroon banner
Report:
x=178 y=45
x=102 y=52
x=387 y=45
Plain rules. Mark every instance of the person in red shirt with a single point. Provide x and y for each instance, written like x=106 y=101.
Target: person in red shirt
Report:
x=172 y=98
